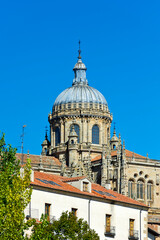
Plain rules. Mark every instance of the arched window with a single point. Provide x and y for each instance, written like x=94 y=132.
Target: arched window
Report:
x=76 y=128
x=57 y=136
x=150 y=190
x=131 y=188
x=140 y=189
x=95 y=134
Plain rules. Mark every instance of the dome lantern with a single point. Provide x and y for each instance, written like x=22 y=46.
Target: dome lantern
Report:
x=80 y=71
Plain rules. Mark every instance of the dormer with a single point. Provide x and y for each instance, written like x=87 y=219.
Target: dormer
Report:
x=81 y=183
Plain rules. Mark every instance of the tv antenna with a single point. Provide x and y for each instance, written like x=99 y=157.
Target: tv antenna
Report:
x=22 y=136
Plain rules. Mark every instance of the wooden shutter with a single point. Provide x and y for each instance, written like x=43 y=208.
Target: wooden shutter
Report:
x=131 y=227
x=108 y=223
x=47 y=210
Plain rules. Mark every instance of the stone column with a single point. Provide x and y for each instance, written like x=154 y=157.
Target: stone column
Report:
x=53 y=138
x=82 y=121
x=62 y=131
x=88 y=131
x=51 y=134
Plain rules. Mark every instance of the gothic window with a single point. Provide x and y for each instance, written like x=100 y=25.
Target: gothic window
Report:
x=95 y=134
x=131 y=188
x=150 y=190
x=57 y=136
x=76 y=128
x=140 y=189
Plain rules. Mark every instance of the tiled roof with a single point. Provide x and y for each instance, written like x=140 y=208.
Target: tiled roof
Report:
x=99 y=157
x=114 y=153
x=131 y=154
x=59 y=183
x=73 y=179
x=154 y=229
x=35 y=159
x=113 y=195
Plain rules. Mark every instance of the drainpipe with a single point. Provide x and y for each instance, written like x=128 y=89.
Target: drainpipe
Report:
x=30 y=209
x=89 y=213
x=140 y=224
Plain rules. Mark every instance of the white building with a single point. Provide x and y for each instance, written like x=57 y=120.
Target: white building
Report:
x=110 y=214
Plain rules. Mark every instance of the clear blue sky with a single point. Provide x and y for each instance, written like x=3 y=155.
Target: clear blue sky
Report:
x=120 y=47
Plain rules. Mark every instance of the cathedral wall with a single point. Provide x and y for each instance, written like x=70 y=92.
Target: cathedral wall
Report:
x=147 y=174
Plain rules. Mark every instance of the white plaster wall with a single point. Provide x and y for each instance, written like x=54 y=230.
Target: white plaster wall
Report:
x=98 y=210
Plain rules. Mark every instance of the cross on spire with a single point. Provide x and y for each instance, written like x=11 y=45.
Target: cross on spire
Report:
x=79 y=51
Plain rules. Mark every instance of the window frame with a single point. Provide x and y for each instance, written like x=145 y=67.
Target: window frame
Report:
x=95 y=134
x=57 y=137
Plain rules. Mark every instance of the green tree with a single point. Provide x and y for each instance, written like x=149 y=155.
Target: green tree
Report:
x=15 y=193
x=68 y=227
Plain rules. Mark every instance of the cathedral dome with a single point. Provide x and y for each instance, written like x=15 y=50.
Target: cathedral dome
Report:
x=80 y=92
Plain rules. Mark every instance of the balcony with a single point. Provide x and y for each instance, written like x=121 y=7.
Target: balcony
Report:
x=109 y=231
x=133 y=235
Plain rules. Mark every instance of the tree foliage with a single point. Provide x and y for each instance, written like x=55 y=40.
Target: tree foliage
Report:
x=68 y=227
x=15 y=193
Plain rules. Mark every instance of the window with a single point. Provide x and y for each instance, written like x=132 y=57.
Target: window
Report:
x=140 y=189
x=131 y=188
x=114 y=146
x=95 y=134
x=74 y=211
x=109 y=230
x=108 y=223
x=76 y=128
x=131 y=227
x=47 y=210
x=149 y=190
x=57 y=136
x=85 y=186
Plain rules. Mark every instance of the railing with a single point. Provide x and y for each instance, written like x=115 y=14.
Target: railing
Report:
x=110 y=231
x=133 y=235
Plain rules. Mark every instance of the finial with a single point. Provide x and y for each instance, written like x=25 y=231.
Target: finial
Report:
x=46 y=136
x=79 y=57
x=114 y=132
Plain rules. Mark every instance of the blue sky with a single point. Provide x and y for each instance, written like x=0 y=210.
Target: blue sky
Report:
x=120 y=47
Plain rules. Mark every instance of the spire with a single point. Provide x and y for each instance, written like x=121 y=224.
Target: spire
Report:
x=114 y=132
x=79 y=51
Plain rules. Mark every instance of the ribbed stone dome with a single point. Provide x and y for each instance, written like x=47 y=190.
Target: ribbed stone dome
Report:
x=80 y=93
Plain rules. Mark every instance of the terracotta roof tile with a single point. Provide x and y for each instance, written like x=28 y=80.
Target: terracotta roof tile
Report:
x=73 y=179
x=114 y=153
x=99 y=157
x=97 y=189
x=35 y=159
x=59 y=182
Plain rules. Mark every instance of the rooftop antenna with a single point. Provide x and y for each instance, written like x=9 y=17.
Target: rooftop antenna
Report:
x=22 y=136
x=79 y=57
